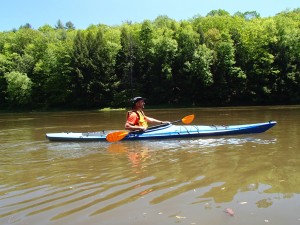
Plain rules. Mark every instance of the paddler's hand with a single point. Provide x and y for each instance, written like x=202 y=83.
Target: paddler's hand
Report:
x=141 y=128
x=164 y=122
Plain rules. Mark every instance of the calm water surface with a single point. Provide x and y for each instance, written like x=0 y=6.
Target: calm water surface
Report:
x=187 y=181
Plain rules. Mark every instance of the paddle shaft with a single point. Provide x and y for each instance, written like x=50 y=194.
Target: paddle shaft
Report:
x=186 y=120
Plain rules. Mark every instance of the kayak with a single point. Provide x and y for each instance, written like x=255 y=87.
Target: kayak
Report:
x=168 y=131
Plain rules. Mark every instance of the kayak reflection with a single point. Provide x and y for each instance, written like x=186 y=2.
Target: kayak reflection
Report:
x=187 y=144
x=143 y=148
x=137 y=152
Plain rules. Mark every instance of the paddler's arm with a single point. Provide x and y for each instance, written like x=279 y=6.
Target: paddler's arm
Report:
x=152 y=120
x=131 y=127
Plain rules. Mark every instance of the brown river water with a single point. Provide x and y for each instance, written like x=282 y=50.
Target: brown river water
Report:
x=243 y=179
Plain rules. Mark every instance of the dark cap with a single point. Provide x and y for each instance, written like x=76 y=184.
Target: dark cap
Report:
x=136 y=99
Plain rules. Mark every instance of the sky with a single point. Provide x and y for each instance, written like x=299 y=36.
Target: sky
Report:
x=83 y=13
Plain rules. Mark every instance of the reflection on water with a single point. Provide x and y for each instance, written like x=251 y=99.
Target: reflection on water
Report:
x=203 y=145
x=189 y=181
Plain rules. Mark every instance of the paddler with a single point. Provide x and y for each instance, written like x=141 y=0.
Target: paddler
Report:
x=136 y=118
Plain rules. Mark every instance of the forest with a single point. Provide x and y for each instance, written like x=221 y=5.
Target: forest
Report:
x=213 y=60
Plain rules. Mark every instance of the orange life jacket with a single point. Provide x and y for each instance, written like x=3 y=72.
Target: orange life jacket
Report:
x=142 y=121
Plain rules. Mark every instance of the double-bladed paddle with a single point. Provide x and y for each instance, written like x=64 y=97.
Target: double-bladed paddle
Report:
x=119 y=135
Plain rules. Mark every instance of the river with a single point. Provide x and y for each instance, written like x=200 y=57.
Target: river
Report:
x=246 y=179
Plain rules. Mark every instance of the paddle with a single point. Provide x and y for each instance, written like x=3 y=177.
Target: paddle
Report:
x=119 y=135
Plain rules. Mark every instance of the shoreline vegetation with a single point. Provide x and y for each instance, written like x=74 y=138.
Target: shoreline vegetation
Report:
x=149 y=108
x=206 y=61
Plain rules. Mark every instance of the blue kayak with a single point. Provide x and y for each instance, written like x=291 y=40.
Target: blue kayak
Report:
x=168 y=131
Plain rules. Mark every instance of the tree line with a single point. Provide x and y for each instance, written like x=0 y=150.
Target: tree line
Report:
x=218 y=59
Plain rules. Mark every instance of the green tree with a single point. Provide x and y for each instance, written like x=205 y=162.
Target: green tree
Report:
x=80 y=67
x=18 y=88
x=229 y=80
x=27 y=25
x=54 y=69
x=249 y=15
x=286 y=51
x=145 y=59
x=20 y=40
x=201 y=77
x=165 y=50
x=59 y=25
x=70 y=26
x=219 y=12
x=93 y=65
x=188 y=40
x=125 y=63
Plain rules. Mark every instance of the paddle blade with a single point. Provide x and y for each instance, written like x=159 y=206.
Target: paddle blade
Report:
x=188 y=119
x=116 y=136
